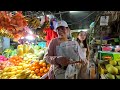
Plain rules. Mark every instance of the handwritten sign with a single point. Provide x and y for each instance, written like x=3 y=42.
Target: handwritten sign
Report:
x=104 y=20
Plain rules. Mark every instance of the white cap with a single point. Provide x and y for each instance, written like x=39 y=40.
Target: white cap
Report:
x=62 y=23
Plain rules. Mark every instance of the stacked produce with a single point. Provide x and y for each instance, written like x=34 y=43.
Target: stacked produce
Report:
x=15 y=60
x=30 y=52
x=9 y=52
x=3 y=58
x=5 y=33
x=33 y=22
x=26 y=63
x=39 y=68
x=21 y=71
x=25 y=70
x=11 y=24
x=12 y=61
x=3 y=62
x=111 y=69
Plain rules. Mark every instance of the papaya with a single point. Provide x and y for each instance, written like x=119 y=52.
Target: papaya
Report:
x=25 y=48
x=19 y=46
x=20 y=51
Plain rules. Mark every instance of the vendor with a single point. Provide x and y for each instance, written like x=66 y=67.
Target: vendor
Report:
x=59 y=63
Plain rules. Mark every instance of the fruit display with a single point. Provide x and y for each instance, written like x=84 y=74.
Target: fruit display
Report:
x=33 y=22
x=33 y=52
x=3 y=58
x=25 y=70
x=21 y=71
x=39 y=68
x=5 y=33
x=9 y=52
x=11 y=21
x=15 y=60
x=110 y=69
x=5 y=64
x=12 y=24
x=25 y=62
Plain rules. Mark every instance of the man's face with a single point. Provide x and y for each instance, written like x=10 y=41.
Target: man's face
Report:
x=62 y=31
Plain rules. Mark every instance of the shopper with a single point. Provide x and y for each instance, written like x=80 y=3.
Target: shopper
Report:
x=58 y=63
x=82 y=40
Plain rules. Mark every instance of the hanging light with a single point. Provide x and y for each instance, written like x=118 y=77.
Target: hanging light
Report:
x=73 y=11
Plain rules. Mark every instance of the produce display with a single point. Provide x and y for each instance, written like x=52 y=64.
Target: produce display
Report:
x=5 y=33
x=25 y=62
x=33 y=22
x=110 y=69
x=39 y=68
x=11 y=24
x=2 y=58
x=15 y=60
x=24 y=70
x=9 y=52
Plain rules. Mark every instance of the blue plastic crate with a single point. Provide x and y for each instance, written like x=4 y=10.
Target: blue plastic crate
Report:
x=42 y=44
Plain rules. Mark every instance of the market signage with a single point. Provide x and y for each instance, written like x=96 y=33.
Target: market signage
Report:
x=104 y=20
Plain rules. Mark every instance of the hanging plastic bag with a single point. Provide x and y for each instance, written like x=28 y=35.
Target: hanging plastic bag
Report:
x=70 y=49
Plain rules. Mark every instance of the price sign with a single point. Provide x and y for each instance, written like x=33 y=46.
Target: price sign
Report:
x=104 y=20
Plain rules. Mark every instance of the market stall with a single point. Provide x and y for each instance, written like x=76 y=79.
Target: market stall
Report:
x=28 y=40
x=105 y=35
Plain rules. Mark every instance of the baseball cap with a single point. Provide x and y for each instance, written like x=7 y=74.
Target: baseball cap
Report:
x=61 y=23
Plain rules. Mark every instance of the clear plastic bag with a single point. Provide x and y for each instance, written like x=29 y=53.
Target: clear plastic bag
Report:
x=69 y=49
x=74 y=52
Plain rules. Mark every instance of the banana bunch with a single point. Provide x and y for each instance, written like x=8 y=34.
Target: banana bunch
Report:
x=33 y=22
x=4 y=33
x=7 y=52
x=47 y=25
x=42 y=34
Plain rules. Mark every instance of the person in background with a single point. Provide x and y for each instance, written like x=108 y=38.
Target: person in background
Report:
x=82 y=41
x=58 y=63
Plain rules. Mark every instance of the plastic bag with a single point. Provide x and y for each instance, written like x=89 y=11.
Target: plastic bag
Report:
x=74 y=52
x=69 y=49
x=71 y=72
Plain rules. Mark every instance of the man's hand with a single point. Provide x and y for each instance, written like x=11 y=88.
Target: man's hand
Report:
x=63 y=61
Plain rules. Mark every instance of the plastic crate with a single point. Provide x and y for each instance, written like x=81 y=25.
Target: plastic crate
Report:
x=42 y=44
